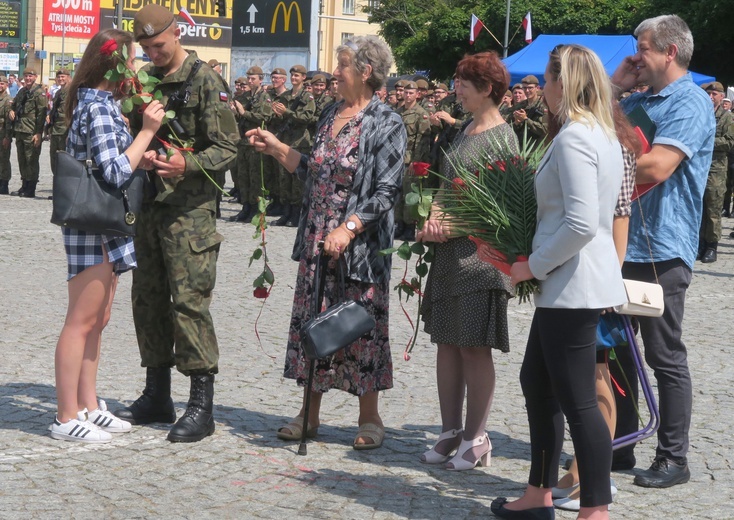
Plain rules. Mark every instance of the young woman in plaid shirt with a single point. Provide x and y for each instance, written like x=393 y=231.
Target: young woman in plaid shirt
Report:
x=95 y=261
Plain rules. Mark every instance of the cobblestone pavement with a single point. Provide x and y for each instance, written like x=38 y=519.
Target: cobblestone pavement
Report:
x=243 y=470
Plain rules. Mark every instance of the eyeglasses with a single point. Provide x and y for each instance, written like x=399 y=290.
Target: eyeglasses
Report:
x=557 y=48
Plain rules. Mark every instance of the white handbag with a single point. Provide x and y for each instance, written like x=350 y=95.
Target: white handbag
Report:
x=644 y=299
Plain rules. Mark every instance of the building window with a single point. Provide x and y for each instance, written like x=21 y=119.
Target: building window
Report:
x=347 y=6
x=347 y=36
x=373 y=4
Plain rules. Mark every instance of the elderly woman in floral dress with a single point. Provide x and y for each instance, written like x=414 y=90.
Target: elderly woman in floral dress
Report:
x=353 y=176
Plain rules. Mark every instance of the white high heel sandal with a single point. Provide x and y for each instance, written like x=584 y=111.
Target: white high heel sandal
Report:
x=458 y=461
x=432 y=456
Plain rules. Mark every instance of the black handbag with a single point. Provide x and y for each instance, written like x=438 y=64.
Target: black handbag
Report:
x=330 y=331
x=338 y=326
x=83 y=200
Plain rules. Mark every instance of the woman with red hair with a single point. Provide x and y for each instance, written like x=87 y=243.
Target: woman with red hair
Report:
x=465 y=304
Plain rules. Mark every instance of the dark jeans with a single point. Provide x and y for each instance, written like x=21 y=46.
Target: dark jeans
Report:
x=666 y=354
x=558 y=378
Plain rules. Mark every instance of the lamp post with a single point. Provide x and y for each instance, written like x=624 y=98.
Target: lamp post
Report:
x=63 y=35
x=507 y=30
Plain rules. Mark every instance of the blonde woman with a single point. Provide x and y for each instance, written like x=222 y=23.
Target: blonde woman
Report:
x=575 y=260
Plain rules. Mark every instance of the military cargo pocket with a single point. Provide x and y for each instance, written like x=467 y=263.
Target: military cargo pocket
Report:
x=201 y=244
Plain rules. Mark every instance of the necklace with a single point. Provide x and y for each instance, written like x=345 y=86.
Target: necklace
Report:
x=339 y=116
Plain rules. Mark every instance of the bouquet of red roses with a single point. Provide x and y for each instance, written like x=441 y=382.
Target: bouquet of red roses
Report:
x=493 y=202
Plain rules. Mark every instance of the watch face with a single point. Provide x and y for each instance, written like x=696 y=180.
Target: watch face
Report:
x=351 y=226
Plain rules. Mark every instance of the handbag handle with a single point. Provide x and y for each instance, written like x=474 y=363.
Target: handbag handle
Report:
x=320 y=279
x=647 y=237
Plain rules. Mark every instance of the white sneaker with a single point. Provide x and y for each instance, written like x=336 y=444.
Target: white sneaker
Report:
x=104 y=420
x=78 y=430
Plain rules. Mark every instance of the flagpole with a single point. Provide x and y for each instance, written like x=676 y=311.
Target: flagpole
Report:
x=490 y=33
x=507 y=30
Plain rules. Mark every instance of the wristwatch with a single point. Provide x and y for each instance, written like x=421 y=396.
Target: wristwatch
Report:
x=351 y=226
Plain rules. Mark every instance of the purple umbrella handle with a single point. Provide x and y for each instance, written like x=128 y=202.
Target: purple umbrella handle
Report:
x=654 y=422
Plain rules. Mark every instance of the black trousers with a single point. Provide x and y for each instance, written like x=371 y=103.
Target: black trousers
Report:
x=558 y=378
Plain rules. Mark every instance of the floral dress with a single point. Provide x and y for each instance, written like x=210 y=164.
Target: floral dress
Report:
x=365 y=365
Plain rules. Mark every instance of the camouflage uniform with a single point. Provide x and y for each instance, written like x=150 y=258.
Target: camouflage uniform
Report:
x=713 y=197
x=535 y=125
x=418 y=126
x=5 y=132
x=258 y=110
x=293 y=131
x=446 y=134
x=177 y=243
x=30 y=123
x=271 y=165
x=58 y=126
x=240 y=160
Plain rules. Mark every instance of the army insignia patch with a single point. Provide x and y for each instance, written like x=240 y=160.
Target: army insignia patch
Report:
x=223 y=96
x=148 y=28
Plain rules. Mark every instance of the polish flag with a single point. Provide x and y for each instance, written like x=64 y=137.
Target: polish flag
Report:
x=528 y=28
x=183 y=13
x=476 y=27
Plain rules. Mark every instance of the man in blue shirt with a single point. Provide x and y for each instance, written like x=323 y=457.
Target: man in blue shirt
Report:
x=670 y=217
x=13 y=86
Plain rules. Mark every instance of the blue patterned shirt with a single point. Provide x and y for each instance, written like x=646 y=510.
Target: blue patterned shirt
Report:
x=684 y=119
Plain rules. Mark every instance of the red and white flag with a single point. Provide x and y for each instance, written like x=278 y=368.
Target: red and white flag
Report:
x=528 y=28
x=476 y=27
x=183 y=13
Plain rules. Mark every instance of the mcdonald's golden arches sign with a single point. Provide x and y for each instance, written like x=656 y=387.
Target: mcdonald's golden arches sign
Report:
x=271 y=23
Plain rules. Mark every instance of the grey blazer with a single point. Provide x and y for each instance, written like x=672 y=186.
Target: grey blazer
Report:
x=577 y=184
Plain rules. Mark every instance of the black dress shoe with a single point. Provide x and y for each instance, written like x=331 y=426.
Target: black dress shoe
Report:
x=709 y=256
x=536 y=513
x=664 y=473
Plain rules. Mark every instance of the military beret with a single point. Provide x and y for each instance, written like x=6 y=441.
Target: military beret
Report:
x=725 y=99
x=410 y=85
x=280 y=71
x=306 y=82
x=516 y=86
x=442 y=86
x=530 y=80
x=3 y=79
x=429 y=92
x=318 y=78
x=29 y=70
x=508 y=93
x=392 y=92
x=714 y=85
x=421 y=83
x=63 y=71
x=241 y=79
x=252 y=71
x=400 y=83
x=298 y=68
x=151 y=20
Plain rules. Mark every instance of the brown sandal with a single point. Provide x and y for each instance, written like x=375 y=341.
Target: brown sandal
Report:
x=372 y=432
x=295 y=430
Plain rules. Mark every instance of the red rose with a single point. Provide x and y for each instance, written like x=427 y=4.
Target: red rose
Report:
x=501 y=165
x=420 y=169
x=108 y=47
x=260 y=292
x=459 y=184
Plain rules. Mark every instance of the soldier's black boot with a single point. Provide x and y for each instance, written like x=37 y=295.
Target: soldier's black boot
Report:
x=4 y=190
x=709 y=256
x=197 y=421
x=155 y=405
x=275 y=209
x=294 y=216
x=242 y=215
x=30 y=190
x=21 y=191
x=283 y=220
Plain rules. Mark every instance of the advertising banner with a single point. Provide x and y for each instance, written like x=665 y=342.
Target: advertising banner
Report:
x=272 y=23
x=71 y=18
x=208 y=29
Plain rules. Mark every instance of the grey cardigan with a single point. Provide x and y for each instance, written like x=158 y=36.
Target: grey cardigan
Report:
x=376 y=187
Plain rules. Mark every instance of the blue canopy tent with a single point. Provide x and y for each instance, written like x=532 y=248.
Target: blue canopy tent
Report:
x=610 y=49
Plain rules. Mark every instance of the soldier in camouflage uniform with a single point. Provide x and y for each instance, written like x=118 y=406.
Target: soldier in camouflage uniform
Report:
x=321 y=99
x=177 y=243
x=277 y=92
x=253 y=111
x=528 y=117
x=241 y=90
x=295 y=109
x=713 y=196
x=56 y=125
x=418 y=126
x=28 y=114
x=424 y=99
x=6 y=137
x=449 y=118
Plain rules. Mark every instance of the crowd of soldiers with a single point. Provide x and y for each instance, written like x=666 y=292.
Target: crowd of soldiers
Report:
x=431 y=113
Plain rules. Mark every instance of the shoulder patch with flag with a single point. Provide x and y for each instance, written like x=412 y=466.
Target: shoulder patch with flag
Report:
x=223 y=96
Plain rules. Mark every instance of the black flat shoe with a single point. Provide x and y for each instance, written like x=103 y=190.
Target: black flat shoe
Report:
x=664 y=473
x=535 y=513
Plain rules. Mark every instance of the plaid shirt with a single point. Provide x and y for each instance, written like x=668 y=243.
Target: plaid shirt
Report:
x=624 y=202
x=98 y=118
